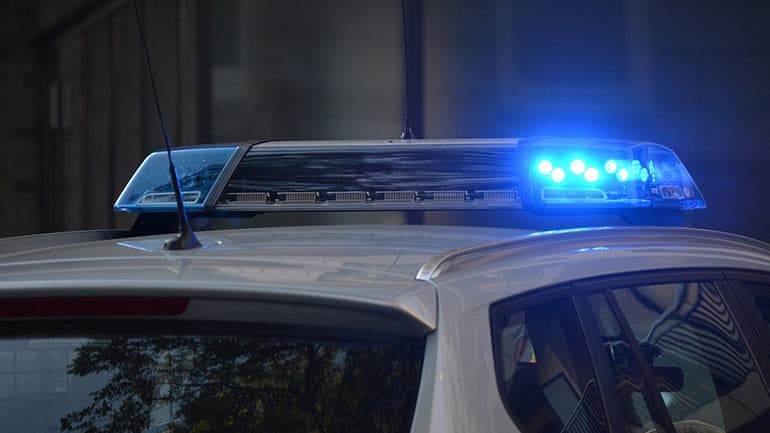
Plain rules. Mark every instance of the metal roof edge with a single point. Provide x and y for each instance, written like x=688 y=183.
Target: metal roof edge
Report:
x=387 y=142
x=27 y=243
x=570 y=238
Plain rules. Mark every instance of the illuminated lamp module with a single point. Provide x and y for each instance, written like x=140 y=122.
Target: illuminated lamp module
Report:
x=610 y=166
x=545 y=167
x=604 y=174
x=577 y=166
x=644 y=175
x=591 y=175
x=622 y=175
x=558 y=175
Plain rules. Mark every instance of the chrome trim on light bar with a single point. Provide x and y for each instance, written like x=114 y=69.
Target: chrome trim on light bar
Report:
x=446 y=195
x=499 y=195
x=397 y=195
x=347 y=196
x=298 y=197
x=248 y=197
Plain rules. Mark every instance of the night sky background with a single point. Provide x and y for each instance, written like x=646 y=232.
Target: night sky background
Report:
x=77 y=116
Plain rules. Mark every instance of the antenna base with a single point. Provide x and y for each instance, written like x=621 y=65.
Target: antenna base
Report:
x=184 y=240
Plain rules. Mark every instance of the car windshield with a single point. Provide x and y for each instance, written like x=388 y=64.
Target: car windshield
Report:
x=201 y=384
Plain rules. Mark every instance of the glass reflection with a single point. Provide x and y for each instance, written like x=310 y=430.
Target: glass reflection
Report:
x=206 y=384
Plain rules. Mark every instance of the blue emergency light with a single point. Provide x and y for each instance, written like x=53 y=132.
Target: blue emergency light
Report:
x=568 y=173
x=536 y=174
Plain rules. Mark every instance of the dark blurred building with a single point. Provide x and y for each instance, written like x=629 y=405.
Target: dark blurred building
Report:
x=77 y=114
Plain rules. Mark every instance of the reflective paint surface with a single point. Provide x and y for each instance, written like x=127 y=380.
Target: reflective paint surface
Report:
x=462 y=270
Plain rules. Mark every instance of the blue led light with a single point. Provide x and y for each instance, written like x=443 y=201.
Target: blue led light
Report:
x=591 y=175
x=652 y=170
x=610 y=166
x=622 y=175
x=558 y=175
x=545 y=167
x=577 y=166
x=603 y=174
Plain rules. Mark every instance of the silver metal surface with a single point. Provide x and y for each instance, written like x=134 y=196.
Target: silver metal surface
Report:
x=368 y=267
x=365 y=277
x=464 y=395
x=620 y=242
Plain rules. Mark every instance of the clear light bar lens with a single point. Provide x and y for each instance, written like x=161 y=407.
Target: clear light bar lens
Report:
x=198 y=169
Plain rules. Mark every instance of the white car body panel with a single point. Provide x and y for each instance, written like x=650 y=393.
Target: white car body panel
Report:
x=365 y=266
x=445 y=277
x=469 y=280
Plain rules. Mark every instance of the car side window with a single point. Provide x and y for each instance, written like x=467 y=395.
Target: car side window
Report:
x=704 y=372
x=630 y=384
x=761 y=299
x=755 y=296
x=763 y=303
x=545 y=374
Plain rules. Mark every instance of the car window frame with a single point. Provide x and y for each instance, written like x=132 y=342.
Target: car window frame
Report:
x=747 y=298
x=727 y=283
x=604 y=285
x=599 y=364
x=721 y=278
x=658 y=413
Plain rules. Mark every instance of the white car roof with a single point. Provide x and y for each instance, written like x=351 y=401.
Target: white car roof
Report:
x=388 y=266
x=362 y=265
x=541 y=259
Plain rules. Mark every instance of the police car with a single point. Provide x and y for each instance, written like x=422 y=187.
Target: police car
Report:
x=641 y=327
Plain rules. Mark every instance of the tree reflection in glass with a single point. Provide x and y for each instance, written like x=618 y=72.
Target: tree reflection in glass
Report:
x=216 y=384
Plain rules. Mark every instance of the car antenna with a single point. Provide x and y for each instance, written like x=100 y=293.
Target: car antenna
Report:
x=186 y=238
x=406 y=130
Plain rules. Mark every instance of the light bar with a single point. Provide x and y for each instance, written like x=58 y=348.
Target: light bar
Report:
x=579 y=173
x=198 y=169
x=537 y=174
x=375 y=175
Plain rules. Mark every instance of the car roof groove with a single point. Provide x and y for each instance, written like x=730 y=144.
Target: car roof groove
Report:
x=569 y=239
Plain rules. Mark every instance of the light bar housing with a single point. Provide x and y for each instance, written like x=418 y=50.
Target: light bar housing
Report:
x=199 y=169
x=537 y=174
x=391 y=175
x=578 y=173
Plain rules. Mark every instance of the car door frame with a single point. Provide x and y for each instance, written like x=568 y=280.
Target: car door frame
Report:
x=577 y=292
x=735 y=300
x=747 y=297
